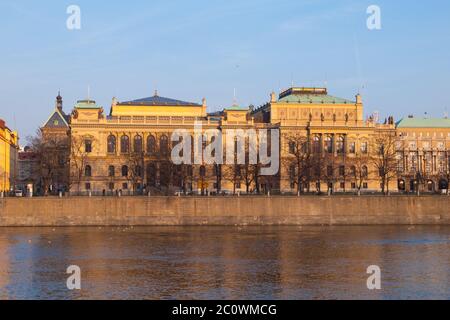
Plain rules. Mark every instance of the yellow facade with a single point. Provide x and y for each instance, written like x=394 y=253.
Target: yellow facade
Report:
x=424 y=152
x=9 y=145
x=336 y=125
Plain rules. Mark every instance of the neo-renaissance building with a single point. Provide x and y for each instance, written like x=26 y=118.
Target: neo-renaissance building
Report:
x=325 y=144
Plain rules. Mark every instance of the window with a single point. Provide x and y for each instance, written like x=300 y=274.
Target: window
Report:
x=111 y=144
x=111 y=171
x=292 y=147
x=237 y=171
x=414 y=163
x=202 y=171
x=342 y=171
x=428 y=162
x=137 y=147
x=217 y=170
x=329 y=171
x=138 y=171
x=316 y=144
x=124 y=186
x=364 y=148
x=151 y=174
x=124 y=171
x=365 y=171
x=381 y=150
x=151 y=145
x=125 y=144
x=329 y=144
x=342 y=185
x=164 y=145
x=88 y=186
x=353 y=185
x=340 y=145
x=88 y=171
x=88 y=146
x=352 y=148
x=365 y=185
x=237 y=185
x=111 y=186
x=353 y=171
x=292 y=170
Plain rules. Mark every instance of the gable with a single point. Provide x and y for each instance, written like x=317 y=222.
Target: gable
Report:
x=56 y=120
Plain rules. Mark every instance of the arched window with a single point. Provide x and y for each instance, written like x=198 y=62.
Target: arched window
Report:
x=164 y=145
x=365 y=171
x=329 y=144
x=151 y=145
x=124 y=171
x=125 y=144
x=353 y=171
x=112 y=144
x=340 y=145
x=88 y=171
x=137 y=147
x=316 y=144
x=111 y=171
x=88 y=146
x=138 y=171
x=364 y=147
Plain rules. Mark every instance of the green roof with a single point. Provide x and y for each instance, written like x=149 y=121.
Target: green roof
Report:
x=237 y=108
x=305 y=95
x=87 y=104
x=314 y=99
x=424 y=123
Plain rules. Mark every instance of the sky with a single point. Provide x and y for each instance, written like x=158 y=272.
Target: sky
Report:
x=188 y=50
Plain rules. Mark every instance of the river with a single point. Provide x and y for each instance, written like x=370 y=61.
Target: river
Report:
x=225 y=262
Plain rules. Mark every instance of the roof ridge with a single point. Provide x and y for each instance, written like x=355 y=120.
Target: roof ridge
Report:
x=158 y=100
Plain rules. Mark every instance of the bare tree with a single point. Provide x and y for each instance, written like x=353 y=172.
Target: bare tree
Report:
x=298 y=160
x=53 y=153
x=233 y=174
x=383 y=157
x=318 y=168
x=135 y=163
x=359 y=170
x=79 y=154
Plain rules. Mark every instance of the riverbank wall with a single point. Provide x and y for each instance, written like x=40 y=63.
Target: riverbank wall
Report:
x=225 y=211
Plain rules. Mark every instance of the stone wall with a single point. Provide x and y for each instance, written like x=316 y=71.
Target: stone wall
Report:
x=308 y=210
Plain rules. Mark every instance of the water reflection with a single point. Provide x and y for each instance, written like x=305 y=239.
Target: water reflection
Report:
x=225 y=263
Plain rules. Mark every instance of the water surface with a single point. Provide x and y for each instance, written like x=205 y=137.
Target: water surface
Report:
x=225 y=262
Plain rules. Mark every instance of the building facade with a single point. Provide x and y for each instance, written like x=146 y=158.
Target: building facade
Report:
x=129 y=148
x=53 y=149
x=28 y=177
x=324 y=143
x=424 y=154
x=9 y=146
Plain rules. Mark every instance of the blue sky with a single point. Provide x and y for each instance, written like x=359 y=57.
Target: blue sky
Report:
x=194 y=49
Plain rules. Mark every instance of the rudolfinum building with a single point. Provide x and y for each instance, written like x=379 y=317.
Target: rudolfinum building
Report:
x=325 y=144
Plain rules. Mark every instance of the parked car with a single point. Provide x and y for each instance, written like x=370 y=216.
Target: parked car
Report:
x=18 y=193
